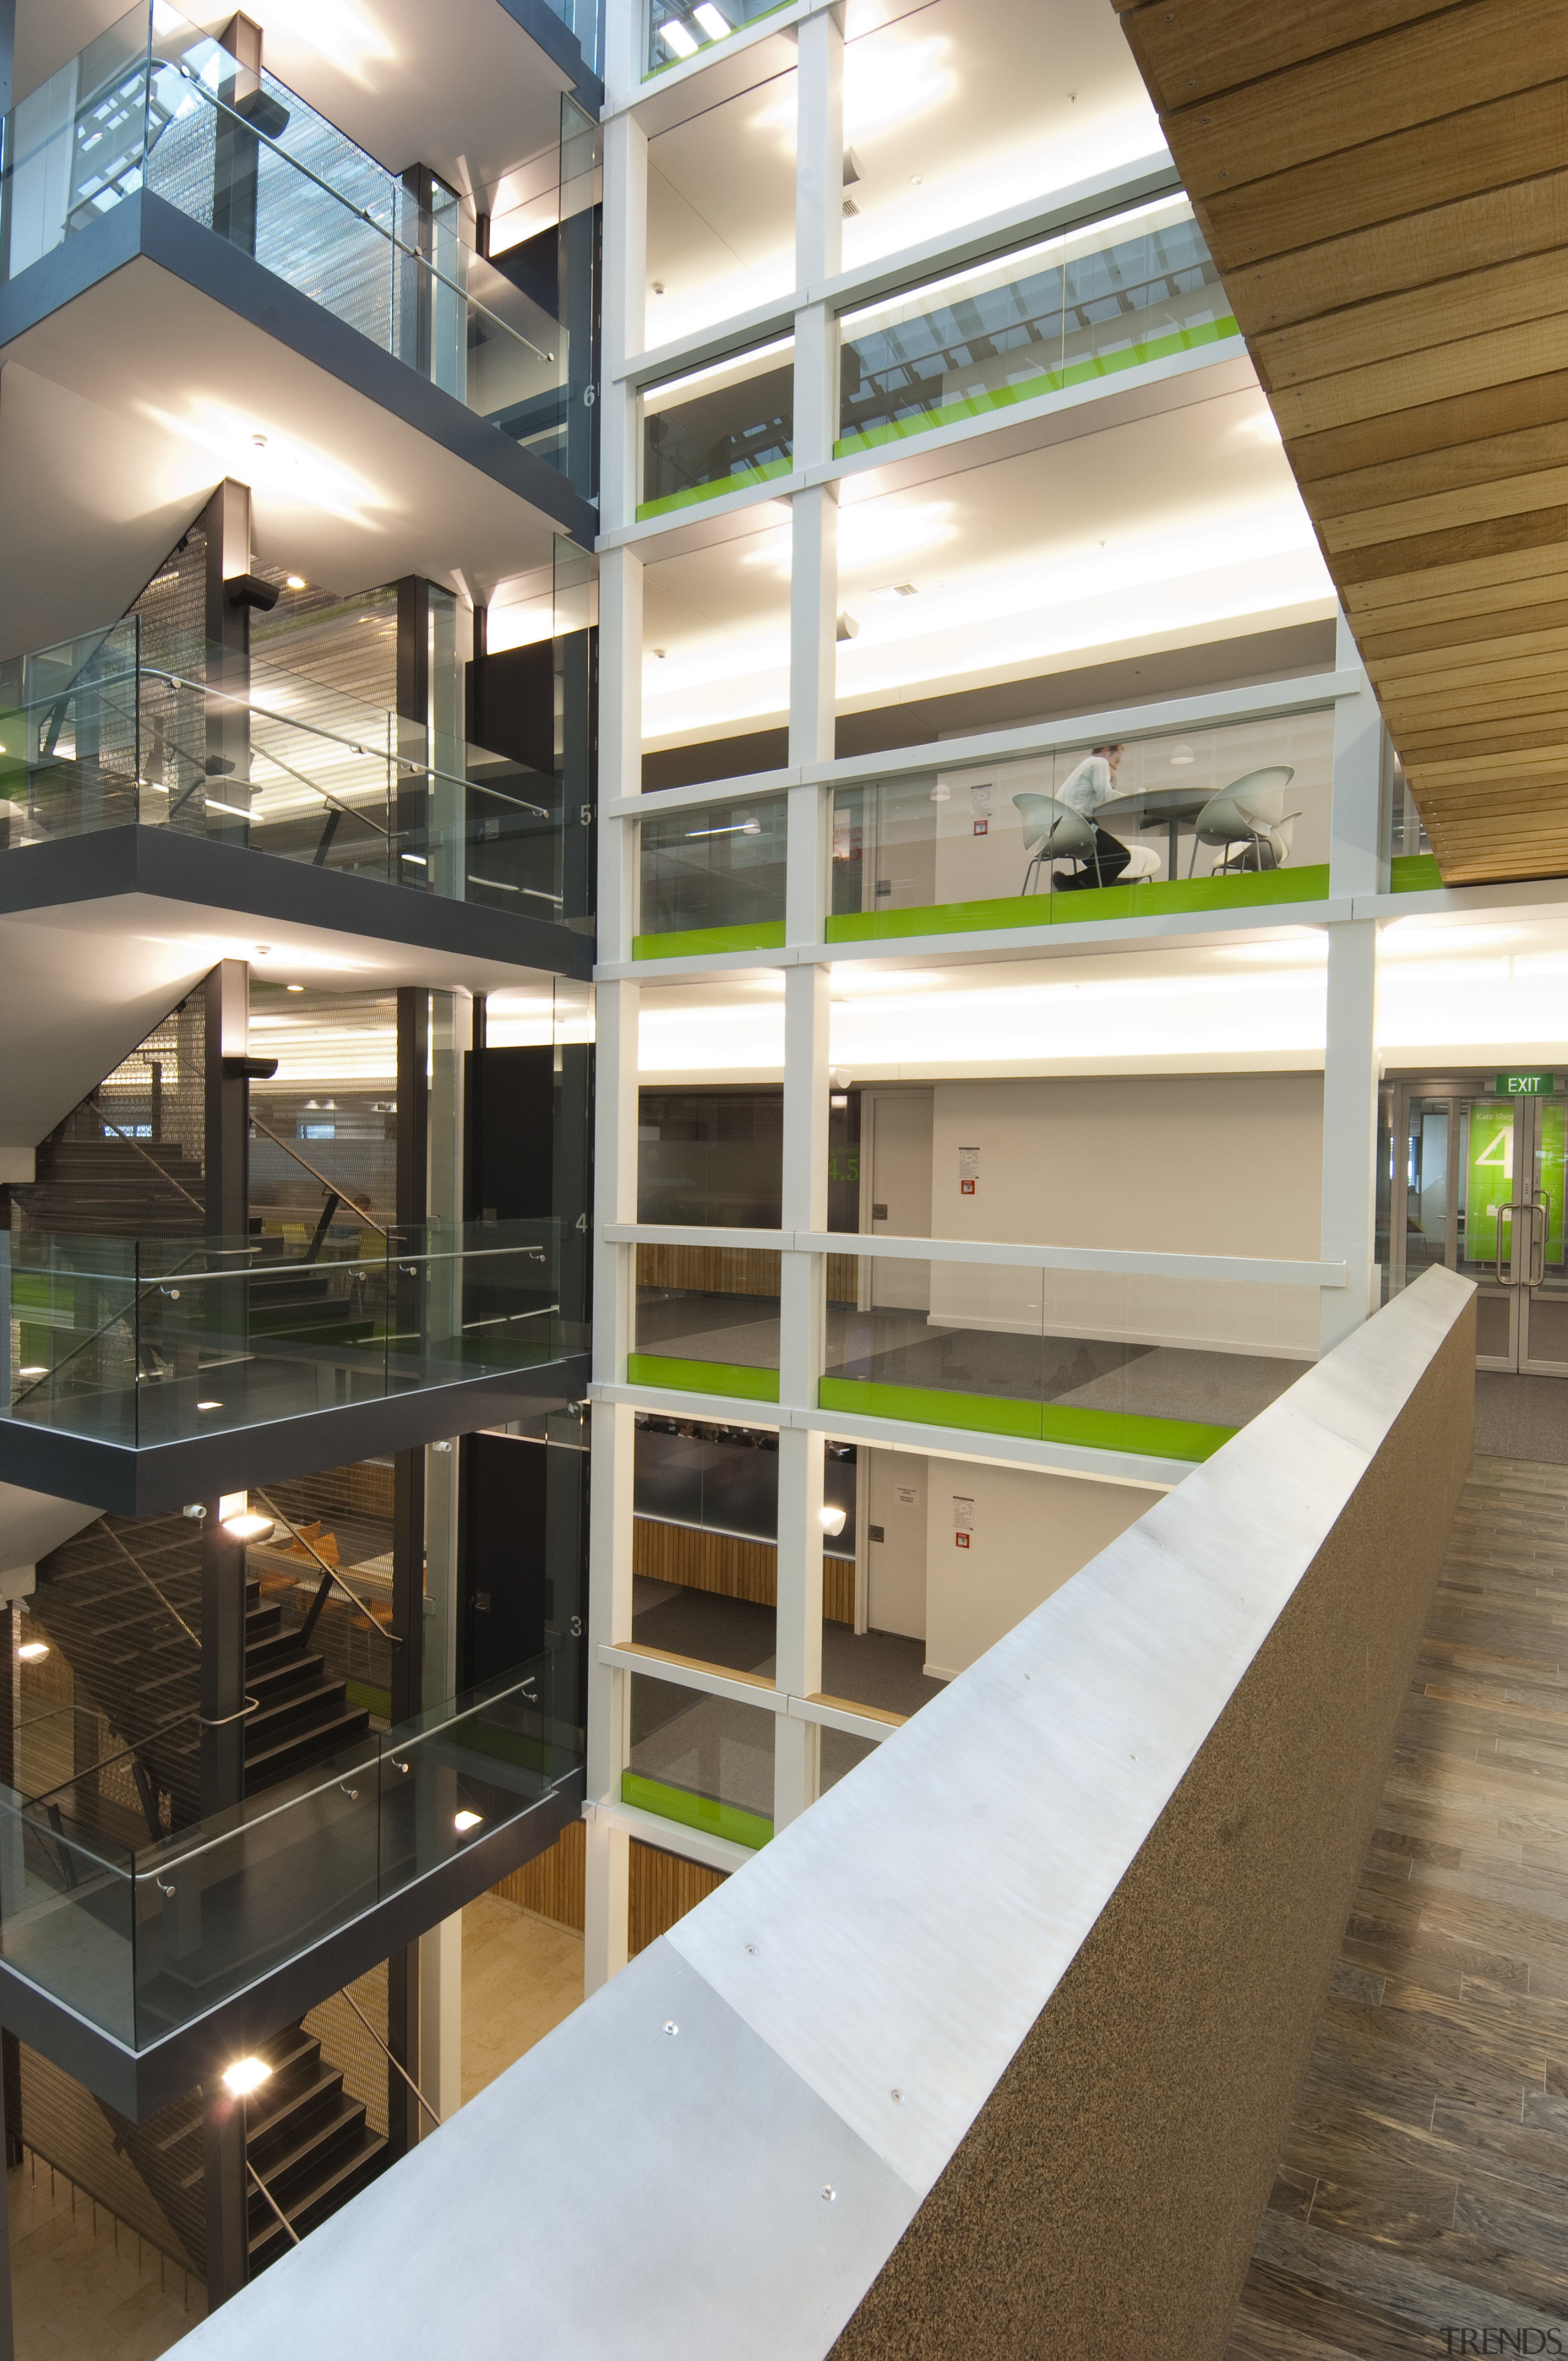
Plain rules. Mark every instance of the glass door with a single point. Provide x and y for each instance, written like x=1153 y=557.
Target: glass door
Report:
x=1478 y=1184
x=1542 y=1293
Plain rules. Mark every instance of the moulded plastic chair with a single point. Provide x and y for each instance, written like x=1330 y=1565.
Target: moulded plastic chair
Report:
x=1143 y=861
x=1251 y=813
x=1053 y=832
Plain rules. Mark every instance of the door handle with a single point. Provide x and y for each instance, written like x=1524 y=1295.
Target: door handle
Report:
x=1539 y=1246
x=1523 y=1207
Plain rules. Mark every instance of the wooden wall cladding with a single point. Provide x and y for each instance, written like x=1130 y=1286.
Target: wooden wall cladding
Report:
x=552 y=1882
x=1384 y=185
x=662 y=1886
x=733 y=1270
x=730 y=1567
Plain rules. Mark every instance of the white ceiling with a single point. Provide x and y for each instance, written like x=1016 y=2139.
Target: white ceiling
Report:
x=1453 y=993
x=86 y=981
x=989 y=101
x=1180 y=522
x=473 y=103
x=120 y=412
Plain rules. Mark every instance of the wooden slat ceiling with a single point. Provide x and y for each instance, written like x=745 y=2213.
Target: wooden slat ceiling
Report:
x=1384 y=184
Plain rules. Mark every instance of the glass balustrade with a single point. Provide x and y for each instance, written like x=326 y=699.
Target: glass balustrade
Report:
x=151 y=1342
x=678 y=29
x=140 y=1943
x=1069 y=310
x=702 y=1338
x=1213 y=819
x=156 y=104
x=724 y=428
x=1107 y=1361
x=706 y=1761
x=713 y=879
x=95 y=734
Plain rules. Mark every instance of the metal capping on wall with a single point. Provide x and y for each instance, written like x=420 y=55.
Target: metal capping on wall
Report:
x=901 y=2033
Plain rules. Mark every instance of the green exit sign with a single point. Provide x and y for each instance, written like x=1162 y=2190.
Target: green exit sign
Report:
x=1525 y=1086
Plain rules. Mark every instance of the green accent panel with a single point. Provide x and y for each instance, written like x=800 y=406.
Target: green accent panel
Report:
x=694 y=493
x=1490 y=1178
x=1148 y=899
x=1414 y=873
x=1006 y=397
x=369 y=1700
x=1550 y=1160
x=702 y=1377
x=758 y=935
x=1096 y=1429
x=704 y=1812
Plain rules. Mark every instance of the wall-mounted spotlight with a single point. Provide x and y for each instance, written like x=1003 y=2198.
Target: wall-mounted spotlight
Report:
x=246 y=2074
x=833 y=1520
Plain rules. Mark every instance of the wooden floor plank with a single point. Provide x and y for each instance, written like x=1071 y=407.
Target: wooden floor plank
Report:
x=1422 y=2188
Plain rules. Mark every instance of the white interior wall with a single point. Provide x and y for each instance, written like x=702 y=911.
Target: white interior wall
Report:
x=1000 y=1540
x=896 y=1593
x=1220 y=1164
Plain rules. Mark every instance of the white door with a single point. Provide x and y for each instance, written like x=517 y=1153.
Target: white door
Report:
x=896 y=1558
x=902 y=1124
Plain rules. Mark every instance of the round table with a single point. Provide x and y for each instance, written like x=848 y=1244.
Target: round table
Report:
x=1170 y=809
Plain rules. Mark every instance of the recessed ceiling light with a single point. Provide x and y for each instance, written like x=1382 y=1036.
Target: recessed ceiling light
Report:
x=677 y=38
x=259 y=441
x=245 y=2075
x=209 y=1405
x=293 y=582
x=463 y=1821
x=35 y=1369
x=293 y=987
x=33 y=1652
x=713 y=22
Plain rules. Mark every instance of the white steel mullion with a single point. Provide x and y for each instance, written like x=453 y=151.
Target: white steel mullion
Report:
x=625 y=296
x=1357 y=826
x=1350 y=1127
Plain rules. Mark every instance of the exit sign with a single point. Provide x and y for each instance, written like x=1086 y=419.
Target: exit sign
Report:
x=1525 y=1086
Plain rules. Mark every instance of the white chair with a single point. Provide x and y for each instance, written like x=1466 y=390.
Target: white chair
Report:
x=1053 y=832
x=1250 y=813
x=1143 y=861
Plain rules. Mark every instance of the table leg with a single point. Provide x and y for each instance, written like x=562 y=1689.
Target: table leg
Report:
x=1175 y=855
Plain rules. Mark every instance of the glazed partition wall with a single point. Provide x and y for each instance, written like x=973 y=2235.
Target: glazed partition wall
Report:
x=1207 y=803
x=1161 y=1356
x=142 y=1343
x=142 y=1942
x=1086 y=304
x=156 y=104
x=215 y=744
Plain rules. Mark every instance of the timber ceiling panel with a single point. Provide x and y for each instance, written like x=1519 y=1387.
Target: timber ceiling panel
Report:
x=1384 y=184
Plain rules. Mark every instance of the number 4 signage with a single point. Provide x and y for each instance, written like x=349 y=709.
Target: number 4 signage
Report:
x=1525 y=1086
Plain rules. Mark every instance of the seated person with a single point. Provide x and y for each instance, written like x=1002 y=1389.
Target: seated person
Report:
x=1084 y=791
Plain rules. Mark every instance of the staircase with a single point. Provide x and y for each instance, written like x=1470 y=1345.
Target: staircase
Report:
x=99 y=1186
x=308 y=2140
x=136 y=1664
x=302 y=1714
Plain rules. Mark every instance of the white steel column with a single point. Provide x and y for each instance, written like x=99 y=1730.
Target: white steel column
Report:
x=1355 y=860
x=441 y=2019
x=624 y=281
x=814 y=606
x=1350 y=1127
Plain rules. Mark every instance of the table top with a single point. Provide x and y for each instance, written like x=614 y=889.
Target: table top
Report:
x=1156 y=806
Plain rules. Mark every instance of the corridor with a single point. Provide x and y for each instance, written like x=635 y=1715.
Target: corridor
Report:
x=1422 y=2189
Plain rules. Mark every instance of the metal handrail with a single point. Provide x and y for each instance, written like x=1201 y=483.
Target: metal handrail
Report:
x=361 y=213
x=191 y=1713
x=152 y=1584
x=91 y=1101
x=330 y=1571
x=272 y=2201
x=330 y=1186
x=402 y=2070
x=334 y=737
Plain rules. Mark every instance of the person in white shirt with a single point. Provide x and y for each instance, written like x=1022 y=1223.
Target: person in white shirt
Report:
x=1093 y=783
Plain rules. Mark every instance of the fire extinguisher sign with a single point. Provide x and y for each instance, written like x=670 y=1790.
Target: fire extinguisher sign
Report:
x=969 y=1170
x=963 y=1521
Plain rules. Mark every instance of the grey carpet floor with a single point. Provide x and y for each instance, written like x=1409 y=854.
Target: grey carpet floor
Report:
x=1521 y=1418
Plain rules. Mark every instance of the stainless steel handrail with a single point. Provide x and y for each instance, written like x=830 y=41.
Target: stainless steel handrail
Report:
x=272 y=2201
x=331 y=1571
x=402 y=2070
x=330 y=1186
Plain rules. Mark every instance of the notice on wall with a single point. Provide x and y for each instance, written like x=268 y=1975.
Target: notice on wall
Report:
x=963 y=1521
x=980 y=808
x=908 y=1497
x=969 y=1170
